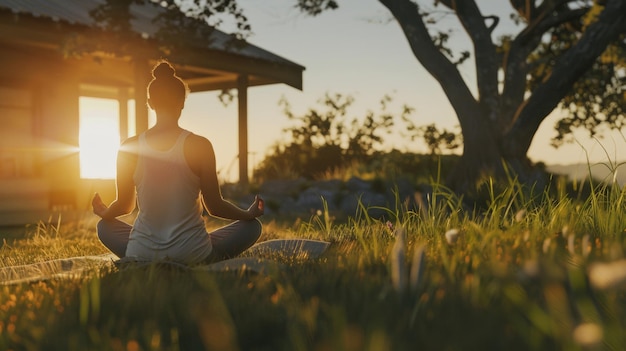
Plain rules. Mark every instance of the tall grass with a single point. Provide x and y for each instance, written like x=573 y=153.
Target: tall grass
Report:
x=514 y=276
x=51 y=239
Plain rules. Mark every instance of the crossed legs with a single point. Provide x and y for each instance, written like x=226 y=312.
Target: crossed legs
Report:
x=227 y=241
x=233 y=239
x=114 y=235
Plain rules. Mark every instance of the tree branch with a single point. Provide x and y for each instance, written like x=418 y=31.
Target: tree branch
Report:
x=515 y=60
x=569 y=67
x=445 y=72
x=485 y=55
x=494 y=24
x=547 y=20
x=525 y=8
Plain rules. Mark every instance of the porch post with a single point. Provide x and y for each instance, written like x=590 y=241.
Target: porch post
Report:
x=242 y=97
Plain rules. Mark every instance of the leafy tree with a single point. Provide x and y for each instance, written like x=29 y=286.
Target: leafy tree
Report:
x=322 y=140
x=567 y=53
x=435 y=138
x=178 y=23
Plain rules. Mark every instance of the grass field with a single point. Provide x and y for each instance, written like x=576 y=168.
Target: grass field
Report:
x=527 y=273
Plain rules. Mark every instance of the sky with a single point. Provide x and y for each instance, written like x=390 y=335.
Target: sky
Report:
x=357 y=50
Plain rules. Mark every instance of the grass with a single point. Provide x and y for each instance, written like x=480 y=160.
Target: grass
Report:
x=525 y=274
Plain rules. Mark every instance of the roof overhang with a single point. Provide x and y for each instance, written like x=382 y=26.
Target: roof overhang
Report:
x=203 y=67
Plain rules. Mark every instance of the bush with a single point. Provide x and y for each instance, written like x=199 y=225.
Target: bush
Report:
x=322 y=142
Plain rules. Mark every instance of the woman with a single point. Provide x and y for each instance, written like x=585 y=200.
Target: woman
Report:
x=171 y=172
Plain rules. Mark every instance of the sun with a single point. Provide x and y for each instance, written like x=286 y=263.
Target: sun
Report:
x=99 y=137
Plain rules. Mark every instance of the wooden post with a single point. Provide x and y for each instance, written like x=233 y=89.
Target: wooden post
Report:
x=242 y=97
x=142 y=78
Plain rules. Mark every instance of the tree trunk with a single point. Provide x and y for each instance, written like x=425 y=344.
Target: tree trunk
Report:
x=486 y=156
x=480 y=157
x=479 y=164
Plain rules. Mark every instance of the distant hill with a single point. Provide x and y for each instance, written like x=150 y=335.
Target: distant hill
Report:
x=599 y=172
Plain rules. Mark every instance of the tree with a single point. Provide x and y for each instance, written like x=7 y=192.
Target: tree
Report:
x=520 y=79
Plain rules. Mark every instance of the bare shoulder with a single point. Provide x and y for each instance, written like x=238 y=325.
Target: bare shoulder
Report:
x=199 y=153
x=195 y=143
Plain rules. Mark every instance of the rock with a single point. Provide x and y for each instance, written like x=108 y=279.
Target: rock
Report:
x=302 y=197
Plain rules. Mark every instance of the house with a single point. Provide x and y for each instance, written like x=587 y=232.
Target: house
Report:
x=41 y=82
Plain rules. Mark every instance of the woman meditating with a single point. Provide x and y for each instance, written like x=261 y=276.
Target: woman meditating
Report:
x=171 y=174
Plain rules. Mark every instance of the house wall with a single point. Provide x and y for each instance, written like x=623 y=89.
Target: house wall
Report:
x=48 y=173
x=59 y=125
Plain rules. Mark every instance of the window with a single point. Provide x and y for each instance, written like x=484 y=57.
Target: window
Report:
x=99 y=137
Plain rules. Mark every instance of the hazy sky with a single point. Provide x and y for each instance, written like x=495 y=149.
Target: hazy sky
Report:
x=355 y=51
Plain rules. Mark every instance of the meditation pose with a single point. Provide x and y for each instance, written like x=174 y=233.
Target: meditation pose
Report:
x=171 y=174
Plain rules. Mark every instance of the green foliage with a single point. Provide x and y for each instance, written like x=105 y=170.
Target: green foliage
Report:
x=179 y=24
x=323 y=144
x=324 y=140
x=315 y=7
x=396 y=164
x=598 y=98
x=435 y=138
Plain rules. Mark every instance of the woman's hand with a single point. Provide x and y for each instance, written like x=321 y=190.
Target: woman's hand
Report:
x=257 y=208
x=99 y=208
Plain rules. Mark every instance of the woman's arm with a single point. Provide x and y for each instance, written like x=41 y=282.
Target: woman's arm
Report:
x=125 y=201
x=201 y=159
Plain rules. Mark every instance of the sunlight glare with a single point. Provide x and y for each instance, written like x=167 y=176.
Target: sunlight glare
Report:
x=99 y=137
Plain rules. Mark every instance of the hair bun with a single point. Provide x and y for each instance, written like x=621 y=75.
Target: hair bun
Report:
x=163 y=70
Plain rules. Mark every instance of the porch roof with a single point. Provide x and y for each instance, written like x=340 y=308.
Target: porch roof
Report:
x=210 y=64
